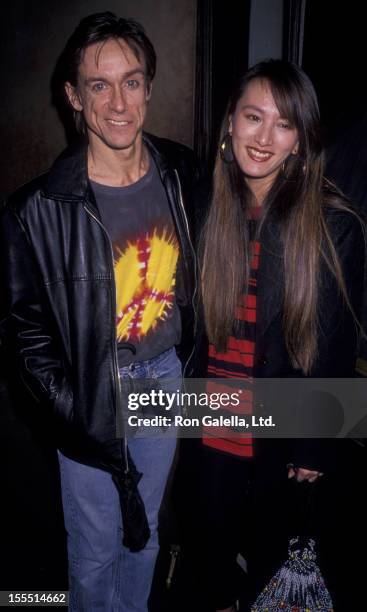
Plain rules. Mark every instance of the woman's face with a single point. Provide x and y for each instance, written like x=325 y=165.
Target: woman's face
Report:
x=261 y=138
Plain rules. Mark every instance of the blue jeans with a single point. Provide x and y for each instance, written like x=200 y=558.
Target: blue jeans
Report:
x=103 y=574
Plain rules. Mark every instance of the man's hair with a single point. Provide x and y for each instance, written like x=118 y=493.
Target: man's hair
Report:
x=98 y=28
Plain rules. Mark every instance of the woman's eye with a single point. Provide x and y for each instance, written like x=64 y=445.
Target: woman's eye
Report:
x=252 y=117
x=285 y=125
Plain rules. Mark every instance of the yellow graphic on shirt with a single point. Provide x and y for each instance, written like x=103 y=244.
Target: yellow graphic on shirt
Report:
x=145 y=281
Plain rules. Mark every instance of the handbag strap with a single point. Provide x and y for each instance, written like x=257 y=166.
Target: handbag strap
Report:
x=303 y=496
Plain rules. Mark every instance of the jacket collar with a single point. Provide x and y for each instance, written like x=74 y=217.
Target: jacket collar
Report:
x=68 y=177
x=154 y=143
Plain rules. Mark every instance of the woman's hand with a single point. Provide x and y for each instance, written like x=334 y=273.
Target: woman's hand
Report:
x=301 y=474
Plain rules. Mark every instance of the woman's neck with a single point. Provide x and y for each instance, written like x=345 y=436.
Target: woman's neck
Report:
x=259 y=189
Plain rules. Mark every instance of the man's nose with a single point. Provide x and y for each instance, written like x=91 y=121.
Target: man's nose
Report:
x=117 y=100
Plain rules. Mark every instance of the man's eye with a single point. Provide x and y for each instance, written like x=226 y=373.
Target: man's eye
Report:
x=132 y=84
x=98 y=87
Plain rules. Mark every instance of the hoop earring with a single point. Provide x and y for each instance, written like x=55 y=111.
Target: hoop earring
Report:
x=225 y=149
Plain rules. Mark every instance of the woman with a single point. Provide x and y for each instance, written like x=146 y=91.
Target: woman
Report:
x=282 y=260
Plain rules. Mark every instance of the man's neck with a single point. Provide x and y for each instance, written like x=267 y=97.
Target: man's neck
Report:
x=117 y=168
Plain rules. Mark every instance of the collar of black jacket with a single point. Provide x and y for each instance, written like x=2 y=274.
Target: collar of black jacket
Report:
x=68 y=177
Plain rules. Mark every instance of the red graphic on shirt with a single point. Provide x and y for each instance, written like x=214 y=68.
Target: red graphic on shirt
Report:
x=145 y=280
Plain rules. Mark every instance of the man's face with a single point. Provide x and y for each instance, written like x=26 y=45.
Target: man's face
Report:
x=112 y=94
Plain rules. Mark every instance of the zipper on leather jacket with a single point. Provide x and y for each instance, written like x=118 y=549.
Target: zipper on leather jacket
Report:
x=180 y=198
x=37 y=399
x=114 y=352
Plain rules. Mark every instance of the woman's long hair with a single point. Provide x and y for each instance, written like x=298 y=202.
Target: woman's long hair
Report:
x=298 y=196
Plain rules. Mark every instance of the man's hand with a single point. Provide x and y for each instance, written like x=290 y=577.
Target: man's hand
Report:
x=301 y=474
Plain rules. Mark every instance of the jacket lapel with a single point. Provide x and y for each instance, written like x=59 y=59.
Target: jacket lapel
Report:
x=270 y=280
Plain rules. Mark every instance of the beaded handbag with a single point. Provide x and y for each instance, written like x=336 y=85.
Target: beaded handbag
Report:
x=298 y=586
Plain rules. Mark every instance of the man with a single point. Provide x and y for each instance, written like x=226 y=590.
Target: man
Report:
x=98 y=267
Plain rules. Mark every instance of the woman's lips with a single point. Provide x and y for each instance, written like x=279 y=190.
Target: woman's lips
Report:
x=258 y=156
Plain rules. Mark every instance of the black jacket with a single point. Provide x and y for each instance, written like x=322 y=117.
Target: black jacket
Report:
x=338 y=332
x=58 y=305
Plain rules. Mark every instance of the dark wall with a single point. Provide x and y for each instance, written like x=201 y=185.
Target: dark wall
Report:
x=334 y=56
x=32 y=37
x=222 y=56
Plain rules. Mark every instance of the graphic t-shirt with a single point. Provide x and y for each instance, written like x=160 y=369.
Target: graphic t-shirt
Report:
x=145 y=248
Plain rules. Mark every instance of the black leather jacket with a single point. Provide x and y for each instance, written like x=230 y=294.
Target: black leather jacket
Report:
x=58 y=305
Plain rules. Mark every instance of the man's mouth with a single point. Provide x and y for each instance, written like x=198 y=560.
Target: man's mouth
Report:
x=259 y=156
x=119 y=123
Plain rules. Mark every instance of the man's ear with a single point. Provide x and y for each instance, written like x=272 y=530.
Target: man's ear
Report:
x=73 y=97
x=149 y=90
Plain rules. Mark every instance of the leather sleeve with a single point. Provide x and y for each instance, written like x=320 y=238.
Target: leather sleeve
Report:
x=338 y=335
x=338 y=330
x=26 y=329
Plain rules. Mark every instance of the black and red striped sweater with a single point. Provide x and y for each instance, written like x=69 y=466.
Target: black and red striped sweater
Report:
x=236 y=362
